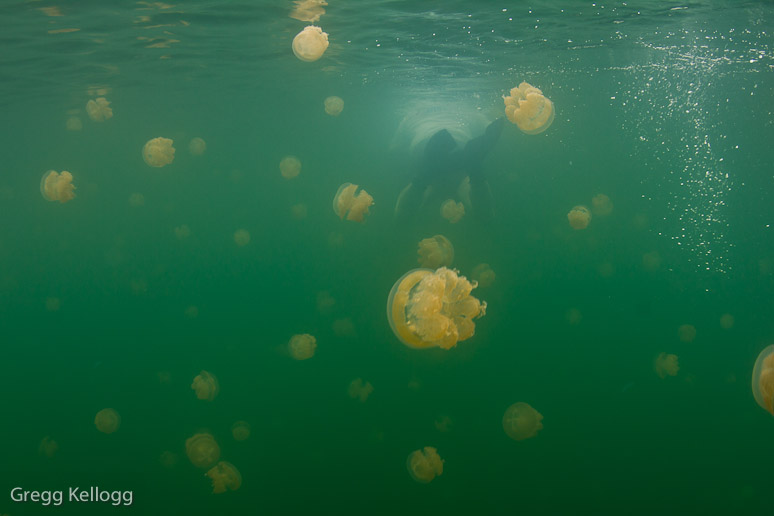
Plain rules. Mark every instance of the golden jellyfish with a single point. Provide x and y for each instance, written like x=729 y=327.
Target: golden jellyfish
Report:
x=197 y=146
x=48 y=447
x=206 y=386
x=334 y=105
x=107 y=421
x=57 y=187
x=436 y=251
x=352 y=202
x=359 y=390
x=686 y=332
x=224 y=477
x=429 y=308
x=202 y=450
x=290 y=167
x=158 y=152
x=424 y=465
x=302 y=347
x=483 y=275
x=526 y=107
x=241 y=237
x=240 y=430
x=601 y=205
x=666 y=365
x=452 y=211
x=727 y=321
x=579 y=217
x=443 y=423
x=74 y=124
x=763 y=379
x=310 y=44
x=521 y=421
x=99 y=109
x=308 y=10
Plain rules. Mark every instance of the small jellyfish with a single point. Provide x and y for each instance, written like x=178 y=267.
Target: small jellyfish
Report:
x=436 y=251
x=344 y=327
x=299 y=211
x=452 y=211
x=579 y=217
x=197 y=146
x=601 y=205
x=302 y=347
x=168 y=459
x=763 y=379
x=484 y=275
x=240 y=430
x=182 y=232
x=686 y=332
x=325 y=302
x=352 y=202
x=665 y=365
x=202 y=450
x=424 y=465
x=158 y=152
x=573 y=316
x=107 y=421
x=526 y=107
x=136 y=200
x=290 y=167
x=164 y=377
x=53 y=304
x=310 y=44
x=74 y=124
x=651 y=261
x=191 y=312
x=241 y=237
x=206 y=386
x=224 y=476
x=727 y=321
x=99 y=109
x=428 y=308
x=358 y=390
x=521 y=421
x=48 y=447
x=334 y=106
x=57 y=187
x=443 y=423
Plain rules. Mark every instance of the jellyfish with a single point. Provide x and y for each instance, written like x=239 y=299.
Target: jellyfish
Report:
x=197 y=146
x=352 y=202
x=443 y=423
x=433 y=308
x=191 y=312
x=99 y=109
x=224 y=476
x=579 y=217
x=206 y=386
x=325 y=302
x=136 y=200
x=158 y=152
x=241 y=237
x=202 y=450
x=57 y=187
x=436 y=251
x=665 y=365
x=424 y=465
x=344 y=327
x=651 y=261
x=573 y=316
x=240 y=430
x=53 y=304
x=308 y=10
x=763 y=379
x=484 y=275
x=74 y=124
x=452 y=211
x=107 y=421
x=310 y=44
x=299 y=211
x=686 y=332
x=334 y=106
x=164 y=377
x=529 y=109
x=727 y=321
x=302 y=347
x=182 y=232
x=48 y=447
x=168 y=459
x=521 y=421
x=601 y=205
x=290 y=167
x=360 y=391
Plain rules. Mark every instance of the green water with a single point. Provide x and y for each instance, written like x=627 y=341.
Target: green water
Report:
x=665 y=107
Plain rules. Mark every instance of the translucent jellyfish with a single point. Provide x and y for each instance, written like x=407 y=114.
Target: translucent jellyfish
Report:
x=224 y=476
x=573 y=316
x=579 y=217
x=48 y=447
x=763 y=379
x=727 y=321
x=435 y=252
x=308 y=10
x=443 y=423
x=310 y=44
x=334 y=106
x=57 y=187
x=241 y=237
x=344 y=327
x=299 y=211
x=164 y=377
x=107 y=421
x=358 y=390
x=325 y=302
x=158 y=152
x=136 y=200
x=290 y=167
x=601 y=205
x=191 y=312
x=182 y=232
x=99 y=109
x=240 y=430
x=352 y=202
x=53 y=304
x=433 y=308
x=521 y=421
x=529 y=109
x=197 y=146
x=665 y=365
x=74 y=124
x=202 y=450
x=651 y=261
x=206 y=386
x=168 y=459
x=686 y=332
x=302 y=347
x=452 y=211
x=483 y=275
x=424 y=465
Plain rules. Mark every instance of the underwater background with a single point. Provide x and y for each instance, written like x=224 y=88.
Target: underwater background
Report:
x=122 y=296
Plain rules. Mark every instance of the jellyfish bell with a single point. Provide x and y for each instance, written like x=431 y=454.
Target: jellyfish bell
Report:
x=107 y=421
x=521 y=421
x=334 y=105
x=601 y=205
x=99 y=109
x=483 y=275
x=360 y=390
x=579 y=217
x=197 y=146
x=240 y=430
x=666 y=365
x=224 y=476
x=241 y=237
x=424 y=465
x=290 y=167
x=310 y=44
x=74 y=124
x=202 y=450
x=352 y=202
x=686 y=333
x=57 y=187
x=529 y=109
x=436 y=251
x=158 y=152
x=452 y=210
x=302 y=347
x=206 y=386
x=763 y=379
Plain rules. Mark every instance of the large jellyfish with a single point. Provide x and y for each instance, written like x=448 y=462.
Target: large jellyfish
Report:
x=206 y=386
x=433 y=308
x=579 y=217
x=601 y=205
x=202 y=450
x=436 y=251
x=240 y=430
x=334 y=105
x=352 y=202
x=529 y=109
x=107 y=421
x=290 y=167
x=197 y=146
x=452 y=211
x=224 y=476
x=302 y=347
x=310 y=44
x=521 y=421
x=424 y=465
x=665 y=365
x=99 y=109
x=359 y=390
x=57 y=187
x=158 y=152
x=763 y=379
x=484 y=275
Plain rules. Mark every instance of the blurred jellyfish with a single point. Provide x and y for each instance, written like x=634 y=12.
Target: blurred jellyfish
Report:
x=358 y=390
x=763 y=379
x=424 y=465
x=436 y=251
x=443 y=423
x=99 y=109
x=433 y=308
x=206 y=386
x=344 y=327
x=334 y=106
x=310 y=44
x=651 y=261
x=197 y=146
x=107 y=421
x=48 y=447
x=325 y=302
x=57 y=187
x=579 y=217
x=308 y=10
x=182 y=232
x=53 y=304
x=299 y=211
x=164 y=377
x=601 y=205
x=191 y=312
x=452 y=211
x=665 y=365
x=290 y=167
x=241 y=237
x=573 y=316
x=158 y=152
x=526 y=107
x=483 y=275
x=136 y=200
x=202 y=450
x=521 y=421
x=240 y=430
x=168 y=459
x=352 y=202
x=727 y=321
x=302 y=347
x=224 y=476
x=74 y=124
x=686 y=332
